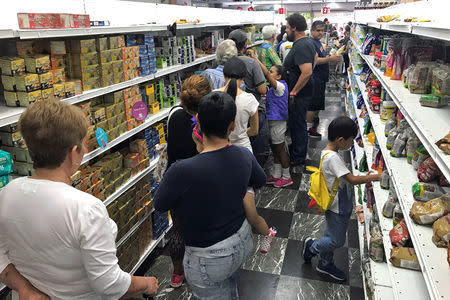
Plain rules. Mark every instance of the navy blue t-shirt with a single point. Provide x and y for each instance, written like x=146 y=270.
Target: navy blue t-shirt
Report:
x=207 y=193
x=322 y=71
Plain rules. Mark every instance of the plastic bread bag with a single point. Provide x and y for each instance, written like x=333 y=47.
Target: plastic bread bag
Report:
x=391 y=138
x=398 y=214
x=392 y=191
x=6 y=166
x=403 y=257
x=419 y=157
x=376 y=249
x=419 y=80
x=440 y=83
x=428 y=212
x=406 y=74
x=389 y=205
x=411 y=146
x=384 y=182
x=444 y=144
x=399 y=144
x=428 y=170
x=441 y=231
x=399 y=235
x=426 y=191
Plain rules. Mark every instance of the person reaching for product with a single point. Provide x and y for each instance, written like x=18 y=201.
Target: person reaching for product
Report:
x=208 y=188
x=181 y=146
x=341 y=133
x=60 y=239
x=277 y=113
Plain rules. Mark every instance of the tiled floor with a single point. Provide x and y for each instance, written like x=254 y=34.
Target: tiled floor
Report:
x=281 y=273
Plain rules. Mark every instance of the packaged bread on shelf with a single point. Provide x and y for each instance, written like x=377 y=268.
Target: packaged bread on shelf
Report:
x=430 y=211
x=399 y=235
x=444 y=144
x=426 y=191
x=441 y=231
x=403 y=257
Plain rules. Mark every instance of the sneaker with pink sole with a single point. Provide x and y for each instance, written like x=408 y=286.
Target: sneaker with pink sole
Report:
x=272 y=180
x=267 y=241
x=280 y=183
x=176 y=280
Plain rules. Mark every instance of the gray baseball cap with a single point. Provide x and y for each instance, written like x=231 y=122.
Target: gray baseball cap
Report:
x=238 y=36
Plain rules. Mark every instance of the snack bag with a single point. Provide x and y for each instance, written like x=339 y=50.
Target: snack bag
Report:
x=390 y=124
x=391 y=138
x=403 y=257
x=388 y=207
x=428 y=170
x=441 y=231
x=384 y=182
x=411 y=146
x=399 y=144
x=399 y=234
x=430 y=211
x=444 y=144
x=376 y=249
x=419 y=80
x=426 y=191
x=398 y=215
x=419 y=157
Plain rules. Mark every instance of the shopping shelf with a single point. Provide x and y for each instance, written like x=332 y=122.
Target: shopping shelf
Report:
x=150 y=248
x=9 y=115
x=435 y=273
x=131 y=182
x=134 y=228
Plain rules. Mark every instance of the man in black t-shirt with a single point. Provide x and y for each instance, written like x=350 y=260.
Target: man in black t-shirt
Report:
x=299 y=65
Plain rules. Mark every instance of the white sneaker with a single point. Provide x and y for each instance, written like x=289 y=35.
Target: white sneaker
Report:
x=267 y=241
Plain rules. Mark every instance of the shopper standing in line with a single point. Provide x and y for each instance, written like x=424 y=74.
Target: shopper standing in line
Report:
x=225 y=50
x=280 y=39
x=320 y=78
x=346 y=42
x=341 y=133
x=59 y=238
x=208 y=188
x=255 y=83
x=266 y=51
x=277 y=114
x=285 y=48
x=299 y=65
x=181 y=146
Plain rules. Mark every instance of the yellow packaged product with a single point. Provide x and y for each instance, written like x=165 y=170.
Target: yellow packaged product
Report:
x=25 y=99
x=59 y=91
x=107 y=69
x=112 y=122
x=115 y=133
x=37 y=64
x=441 y=231
x=116 y=97
x=118 y=78
x=99 y=113
x=107 y=80
x=13 y=139
x=105 y=56
x=85 y=59
x=46 y=80
x=93 y=83
x=11 y=98
x=90 y=132
x=90 y=72
x=9 y=83
x=12 y=66
x=59 y=75
x=109 y=110
x=102 y=43
x=404 y=257
x=83 y=46
x=116 y=55
x=48 y=94
x=117 y=67
x=119 y=108
x=27 y=82
x=149 y=89
x=78 y=86
x=113 y=42
x=69 y=89
x=154 y=107
x=57 y=61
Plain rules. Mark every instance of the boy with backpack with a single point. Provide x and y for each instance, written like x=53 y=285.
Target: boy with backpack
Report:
x=337 y=200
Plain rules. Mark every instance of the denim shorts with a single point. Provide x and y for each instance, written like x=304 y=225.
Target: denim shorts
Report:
x=212 y=272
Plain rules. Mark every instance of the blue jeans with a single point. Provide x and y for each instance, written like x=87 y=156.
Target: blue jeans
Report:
x=212 y=272
x=297 y=125
x=333 y=238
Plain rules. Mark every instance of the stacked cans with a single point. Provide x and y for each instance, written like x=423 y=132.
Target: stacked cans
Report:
x=174 y=50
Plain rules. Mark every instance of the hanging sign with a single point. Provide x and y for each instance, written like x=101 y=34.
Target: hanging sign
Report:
x=282 y=11
x=102 y=139
x=139 y=110
x=325 y=10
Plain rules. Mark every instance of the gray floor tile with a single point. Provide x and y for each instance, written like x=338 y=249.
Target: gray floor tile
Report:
x=354 y=260
x=275 y=198
x=291 y=288
x=271 y=262
x=304 y=225
x=304 y=183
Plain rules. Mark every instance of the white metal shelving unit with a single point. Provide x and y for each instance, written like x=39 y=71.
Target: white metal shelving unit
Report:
x=134 y=228
x=431 y=283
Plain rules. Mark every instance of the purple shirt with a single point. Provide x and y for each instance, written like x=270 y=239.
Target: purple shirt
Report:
x=277 y=106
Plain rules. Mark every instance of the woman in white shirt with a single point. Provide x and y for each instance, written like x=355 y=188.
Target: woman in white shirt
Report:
x=53 y=236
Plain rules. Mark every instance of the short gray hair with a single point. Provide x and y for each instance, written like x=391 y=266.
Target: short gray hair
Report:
x=225 y=50
x=269 y=31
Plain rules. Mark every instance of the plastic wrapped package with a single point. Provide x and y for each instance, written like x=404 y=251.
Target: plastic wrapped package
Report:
x=389 y=205
x=384 y=182
x=390 y=124
x=403 y=257
x=399 y=144
x=376 y=249
x=428 y=170
x=419 y=80
x=406 y=73
x=398 y=214
x=440 y=86
x=363 y=164
x=442 y=180
x=419 y=157
x=411 y=146
x=444 y=144
x=430 y=211
x=441 y=231
x=399 y=235
x=426 y=191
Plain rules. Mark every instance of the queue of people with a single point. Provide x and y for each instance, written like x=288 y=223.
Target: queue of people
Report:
x=58 y=242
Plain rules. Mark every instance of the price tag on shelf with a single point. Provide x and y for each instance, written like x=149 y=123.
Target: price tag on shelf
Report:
x=102 y=139
x=139 y=110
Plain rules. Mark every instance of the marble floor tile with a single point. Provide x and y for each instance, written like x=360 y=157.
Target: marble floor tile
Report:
x=291 y=288
x=302 y=205
x=304 y=225
x=354 y=261
x=161 y=267
x=304 y=183
x=275 y=198
x=257 y=285
x=272 y=261
x=279 y=219
x=356 y=293
x=352 y=233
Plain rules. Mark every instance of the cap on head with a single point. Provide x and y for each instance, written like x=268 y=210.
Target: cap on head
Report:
x=239 y=37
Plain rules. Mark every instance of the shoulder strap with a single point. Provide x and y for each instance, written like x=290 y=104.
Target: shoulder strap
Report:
x=321 y=160
x=172 y=110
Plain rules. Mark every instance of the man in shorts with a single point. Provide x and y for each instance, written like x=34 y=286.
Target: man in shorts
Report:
x=319 y=78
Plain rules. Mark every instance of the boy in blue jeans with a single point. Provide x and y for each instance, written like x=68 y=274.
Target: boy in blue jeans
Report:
x=341 y=133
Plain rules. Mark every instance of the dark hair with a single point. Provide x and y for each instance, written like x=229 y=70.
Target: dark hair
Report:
x=216 y=112
x=194 y=88
x=342 y=127
x=350 y=23
x=282 y=32
x=347 y=28
x=279 y=69
x=234 y=69
x=297 y=21
x=317 y=24
x=325 y=20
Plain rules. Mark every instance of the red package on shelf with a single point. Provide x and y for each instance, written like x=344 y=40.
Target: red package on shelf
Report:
x=399 y=234
x=81 y=21
x=35 y=21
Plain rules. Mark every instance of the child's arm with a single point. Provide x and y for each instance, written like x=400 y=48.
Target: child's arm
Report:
x=252 y=215
x=272 y=81
x=254 y=125
x=361 y=179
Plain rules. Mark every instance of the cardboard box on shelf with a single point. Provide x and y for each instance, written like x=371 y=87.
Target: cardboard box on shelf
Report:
x=13 y=139
x=81 y=21
x=93 y=83
x=102 y=44
x=48 y=94
x=59 y=91
x=25 y=99
x=27 y=82
x=37 y=64
x=11 y=98
x=57 y=61
x=24 y=48
x=57 y=47
x=84 y=59
x=59 y=75
x=12 y=66
x=83 y=46
x=46 y=80
x=9 y=83
x=70 y=89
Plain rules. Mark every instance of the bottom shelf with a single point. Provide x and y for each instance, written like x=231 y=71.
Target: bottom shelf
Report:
x=150 y=249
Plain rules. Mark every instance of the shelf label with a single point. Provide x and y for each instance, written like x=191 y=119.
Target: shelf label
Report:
x=102 y=139
x=139 y=110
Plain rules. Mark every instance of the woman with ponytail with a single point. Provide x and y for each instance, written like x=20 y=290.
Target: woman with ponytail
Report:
x=234 y=72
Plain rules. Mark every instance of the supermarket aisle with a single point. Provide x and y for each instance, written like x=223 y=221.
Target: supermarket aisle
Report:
x=281 y=273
